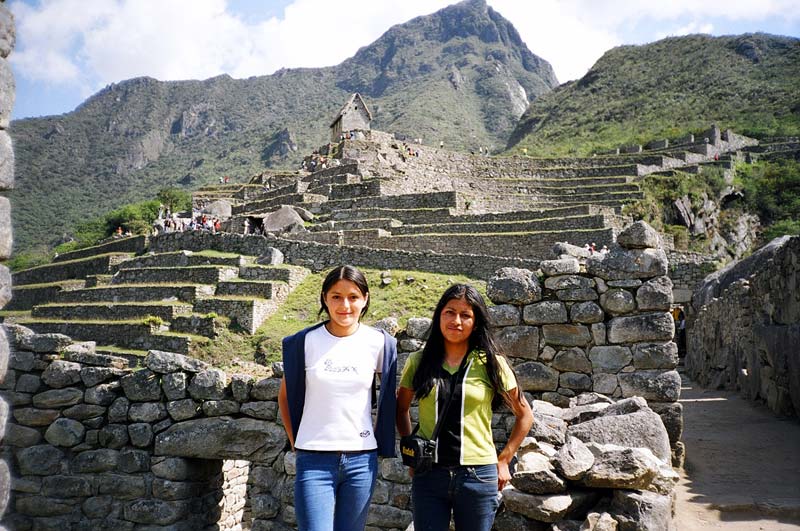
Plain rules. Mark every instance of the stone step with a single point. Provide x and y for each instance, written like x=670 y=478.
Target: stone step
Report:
x=26 y=297
x=184 y=259
x=590 y=171
x=345 y=178
x=192 y=274
x=110 y=311
x=536 y=188
x=137 y=293
x=288 y=274
x=124 y=334
x=268 y=205
x=593 y=198
x=264 y=289
x=248 y=313
x=566 y=182
x=437 y=215
x=98 y=280
x=600 y=161
x=348 y=191
x=423 y=200
x=547 y=224
x=378 y=223
x=530 y=245
x=133 y=245
x=70 y=269
x=134 y=357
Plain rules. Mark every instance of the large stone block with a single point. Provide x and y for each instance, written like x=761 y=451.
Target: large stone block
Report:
x=6 y=239
x=655 y=294
x=5 y=352
x=535 y=376
x=642 y=429
x=62 y=374
x=65 y=432
x=165 y=362
x=609 y=359
x=545 y=312
x=7 y=96
x=58 y=398
x=8 y=38
x=222 y=438
x=642 y=510
x=566 y=335
x=519 y=341
x=639 y=235
x=655 y=355
x=6 y=162
x=620 y=264
x=513 y=285
x=504 y=315
x=5 y=285
x=653 y=385
x=208 y=384
x=142 y=386
x=41 y=460
x=572 y=360
x=641 y=328
x=547 y=507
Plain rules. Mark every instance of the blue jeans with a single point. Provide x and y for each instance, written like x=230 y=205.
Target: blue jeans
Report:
x=332 y=489
x=468 y=492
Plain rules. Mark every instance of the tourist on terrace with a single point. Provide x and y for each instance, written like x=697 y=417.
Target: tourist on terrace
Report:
x=460 y=357
x=325 y=403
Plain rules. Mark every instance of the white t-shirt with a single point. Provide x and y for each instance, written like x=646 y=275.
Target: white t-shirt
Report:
x=337 y=415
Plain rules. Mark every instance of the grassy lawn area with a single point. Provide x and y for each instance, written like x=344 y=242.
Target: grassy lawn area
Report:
x=409 y=294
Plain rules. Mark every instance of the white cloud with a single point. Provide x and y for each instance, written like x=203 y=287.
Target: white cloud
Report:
x=90 y=43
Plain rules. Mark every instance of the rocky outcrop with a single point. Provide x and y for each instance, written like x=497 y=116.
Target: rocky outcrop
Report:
x=611 y=467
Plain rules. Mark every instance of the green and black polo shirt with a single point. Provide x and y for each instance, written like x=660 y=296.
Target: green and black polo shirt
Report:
x=465 y=438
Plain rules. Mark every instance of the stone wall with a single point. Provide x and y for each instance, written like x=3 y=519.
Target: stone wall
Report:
x=79 y=268
x=745 y=327
x=320 y=256
x=7 y=88
x=687 y=271
x=134 y=244
x=96 y=444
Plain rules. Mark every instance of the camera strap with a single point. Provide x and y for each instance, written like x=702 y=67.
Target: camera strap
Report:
x=454 y=379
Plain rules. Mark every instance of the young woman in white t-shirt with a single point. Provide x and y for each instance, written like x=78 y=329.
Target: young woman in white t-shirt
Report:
x=326 y=400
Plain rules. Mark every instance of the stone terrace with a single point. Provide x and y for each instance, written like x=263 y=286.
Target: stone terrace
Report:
x=375 y=194
x=164 y=301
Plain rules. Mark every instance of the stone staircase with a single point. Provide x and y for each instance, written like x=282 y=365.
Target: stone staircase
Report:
x=166 y=301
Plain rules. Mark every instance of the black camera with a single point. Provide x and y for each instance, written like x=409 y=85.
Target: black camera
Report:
x=417 y=452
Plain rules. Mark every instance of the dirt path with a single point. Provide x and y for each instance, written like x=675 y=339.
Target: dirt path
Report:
x=742 y=469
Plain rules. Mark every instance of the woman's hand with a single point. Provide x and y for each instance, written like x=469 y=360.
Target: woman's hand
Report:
x=503 y=475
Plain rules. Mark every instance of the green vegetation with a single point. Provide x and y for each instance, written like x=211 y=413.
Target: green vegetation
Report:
x=772 y=191
x=660 y=193
x=665 y=89
x=136 y=218
x=153 y=320
x=402 y=298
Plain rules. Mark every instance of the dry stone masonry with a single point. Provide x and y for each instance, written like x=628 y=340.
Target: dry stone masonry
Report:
x=7 y=88
x=93 y=443
x=745 y=327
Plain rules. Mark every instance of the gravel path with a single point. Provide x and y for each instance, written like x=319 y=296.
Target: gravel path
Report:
x=742 y=469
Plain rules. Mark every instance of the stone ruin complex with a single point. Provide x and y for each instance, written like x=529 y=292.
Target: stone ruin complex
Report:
x=94 y=443
x=106 y=411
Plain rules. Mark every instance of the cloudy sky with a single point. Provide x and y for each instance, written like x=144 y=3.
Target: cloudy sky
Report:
x=69 y=49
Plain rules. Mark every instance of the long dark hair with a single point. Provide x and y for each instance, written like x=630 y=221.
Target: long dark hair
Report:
x=429 y=370
x=345 y=272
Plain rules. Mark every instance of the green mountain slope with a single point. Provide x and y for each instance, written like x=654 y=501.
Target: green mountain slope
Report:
x=461 y=75
x=638 y=93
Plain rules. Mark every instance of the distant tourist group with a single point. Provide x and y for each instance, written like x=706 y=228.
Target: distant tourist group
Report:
x=167 y=222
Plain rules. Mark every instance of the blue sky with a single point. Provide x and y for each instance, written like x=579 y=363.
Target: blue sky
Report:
x=69 y=49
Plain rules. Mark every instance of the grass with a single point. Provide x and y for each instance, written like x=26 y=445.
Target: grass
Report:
x=401 y=299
